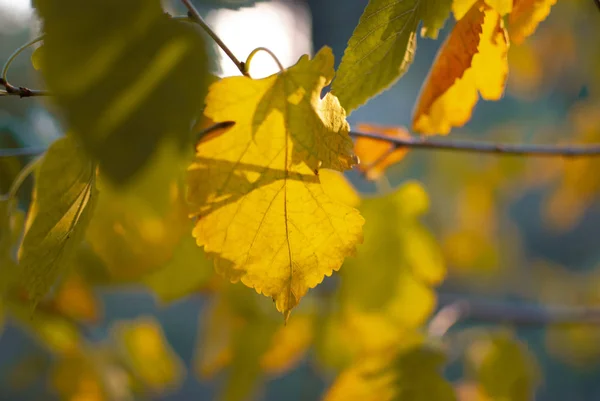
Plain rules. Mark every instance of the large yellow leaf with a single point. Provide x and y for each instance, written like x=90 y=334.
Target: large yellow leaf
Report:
x=263 y=213
x=125 y=75
x=472 y=61
x=63 y=204
x=526 y=16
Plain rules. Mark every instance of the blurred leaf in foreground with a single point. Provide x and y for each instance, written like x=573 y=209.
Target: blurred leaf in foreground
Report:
x=126 y=77
x=63 y=203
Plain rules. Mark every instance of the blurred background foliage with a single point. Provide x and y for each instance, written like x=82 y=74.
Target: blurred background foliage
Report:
x=448 y=226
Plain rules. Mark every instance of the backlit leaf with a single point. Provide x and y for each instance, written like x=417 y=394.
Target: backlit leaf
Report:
x=63 y=204
x=149 y=355
x=376 y=156
x=262 y=212
x=461 y=7
x=526 y=16
x=472 y=61
x=380 y=50
x=125 y=75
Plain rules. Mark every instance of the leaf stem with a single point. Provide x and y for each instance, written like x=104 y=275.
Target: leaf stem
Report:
x=196 y=17
x=11 y=89
x=263 y=49
x=591 y=150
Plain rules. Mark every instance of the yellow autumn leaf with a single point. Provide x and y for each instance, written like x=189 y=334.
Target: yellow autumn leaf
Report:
x=526 y=16
x=376 y=156
x=148 y=354
x=461 y=7
x=472 y=61
x=263 y=213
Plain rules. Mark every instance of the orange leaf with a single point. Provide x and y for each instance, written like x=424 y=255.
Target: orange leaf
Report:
x=472 y=60
x=526 y=16
x=371 y=152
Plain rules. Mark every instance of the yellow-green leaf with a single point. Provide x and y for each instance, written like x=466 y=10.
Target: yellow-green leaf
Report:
x=125 y=75
x=412 y=374
x=148 y=354
x=63 y=204
x=380 y=50
x=502 y=367
x=435 y=15
x=263 y=213
x=37 y=57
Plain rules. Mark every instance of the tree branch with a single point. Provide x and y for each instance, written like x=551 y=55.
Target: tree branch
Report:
x=458 y=310
x=427 y=143
x=197 y=18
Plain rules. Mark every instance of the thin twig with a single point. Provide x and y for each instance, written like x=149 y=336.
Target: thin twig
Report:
x=195 y=15
x=591 y=150
x=262 y=49
x=17 y=152
x=20 y=91
x=521 y=314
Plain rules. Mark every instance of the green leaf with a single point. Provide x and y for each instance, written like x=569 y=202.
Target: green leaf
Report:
x=186 y=272
x=379 y=52
x=126 y=76
x=435 y=14
x=37 y=56
x=64 y=198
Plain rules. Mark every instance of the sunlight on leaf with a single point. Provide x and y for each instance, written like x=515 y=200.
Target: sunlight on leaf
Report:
x=371 y=152
x=461 y=7
x=124 y=83
x=380 y=50
x=64 y=199
x=263 y=213
x=148 y=353
x=526 y=16
x=472 y=61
